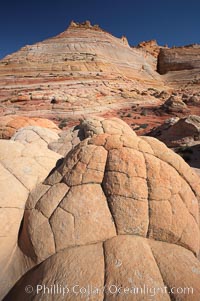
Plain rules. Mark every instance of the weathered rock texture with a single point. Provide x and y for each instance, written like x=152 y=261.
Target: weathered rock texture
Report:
x=151 y=47
x=179 y=58
x=82 y=70
x=120 y=210
x=86 y=71
x=183 y=135
x=23 y=164
x=179 y=131
x=11 y=123
x=174 y=104
x=180 y=65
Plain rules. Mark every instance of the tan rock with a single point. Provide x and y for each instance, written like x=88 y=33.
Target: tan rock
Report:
x=49 y=202
x=93 y=221
x=20 y=171
x=175 y=104
x=133 y=269
x=183 y=132
x=176 y=263
x=72 y=268
x=124 y=205
x=10 y=124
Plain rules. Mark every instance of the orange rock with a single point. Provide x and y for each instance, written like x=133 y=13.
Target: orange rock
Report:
x=10 y=124
x=137 y=218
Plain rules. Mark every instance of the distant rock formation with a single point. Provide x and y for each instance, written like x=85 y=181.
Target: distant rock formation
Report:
x=179 y=58
x=119 y=203
x=125 y=40
x=86 y=69
x=179 y=131
x=83 y=68
x=84 y=25
x=151 y=47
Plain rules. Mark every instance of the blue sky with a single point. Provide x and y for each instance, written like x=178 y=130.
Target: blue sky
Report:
x=171 y=22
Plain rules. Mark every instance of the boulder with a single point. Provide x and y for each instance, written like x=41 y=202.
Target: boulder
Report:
x=119 y=213
x=11 y=123
x=193 y=100
x=22 y=167
x=177 y=132
x=174 y=104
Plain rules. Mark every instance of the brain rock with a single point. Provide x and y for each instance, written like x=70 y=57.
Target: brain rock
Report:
x=120 y=211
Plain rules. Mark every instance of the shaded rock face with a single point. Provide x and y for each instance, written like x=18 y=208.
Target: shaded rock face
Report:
x=179 y=58
x=121 y=209
x=174 y=104
x=193 y=100
x=179 y=131
x=183 y=135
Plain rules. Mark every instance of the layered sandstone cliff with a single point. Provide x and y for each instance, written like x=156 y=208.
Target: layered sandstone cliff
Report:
x=85 y=69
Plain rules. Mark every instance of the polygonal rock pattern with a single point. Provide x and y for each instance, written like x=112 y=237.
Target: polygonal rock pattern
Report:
x=87 y=128
x=35 y=135
x=23 y=164
x=120 y=211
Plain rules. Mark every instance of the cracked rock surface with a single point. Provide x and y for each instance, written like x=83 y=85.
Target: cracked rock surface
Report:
x=25 y=161
x=120 y=210
x=11 y=123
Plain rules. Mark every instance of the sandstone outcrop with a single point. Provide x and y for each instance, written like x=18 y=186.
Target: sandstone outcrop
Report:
x=87 y=128
x=174 y=104
x=81 y=70
x=193 y=100
x=151 y=47
x=120 y=210
x=179 y=58
x=183 y=135
x=23 y=164
x=86 y=70
x=11 y=123
x=179 y=66
x=179 y=131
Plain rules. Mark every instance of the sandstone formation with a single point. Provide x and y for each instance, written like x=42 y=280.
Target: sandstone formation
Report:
x=183 y=135
x=151 y=47
x=87 y=128
x=180 y=66
x=179 y=58
x=11 y=123
x=179 y=131
x=175 y=105
x=86 y=71
x=23 y=164
x=82 y=70
x=193 y=100
x=120 y=210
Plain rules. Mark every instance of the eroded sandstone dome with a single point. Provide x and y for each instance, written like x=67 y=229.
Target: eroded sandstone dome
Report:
x=120 y=210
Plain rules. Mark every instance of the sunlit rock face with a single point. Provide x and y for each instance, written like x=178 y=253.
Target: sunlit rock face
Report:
x=83 y=48
x=82 y=70
x=117 y=204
